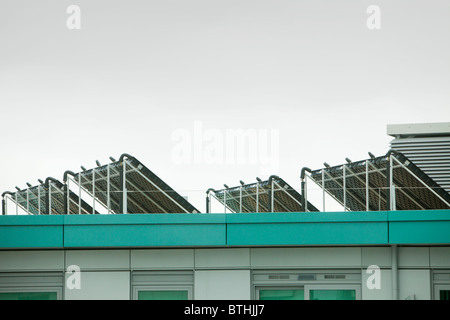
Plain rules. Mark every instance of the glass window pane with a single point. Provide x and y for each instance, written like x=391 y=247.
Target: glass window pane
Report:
x=444 y=294
x=162 y=295
x=28 y=296
x=332 y=294
x=295 y=294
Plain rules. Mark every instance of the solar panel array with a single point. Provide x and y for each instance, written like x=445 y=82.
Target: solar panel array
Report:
x=388 y=182
x=381 y=183
x=124 y=186
x=271 y=195
x=50 y=197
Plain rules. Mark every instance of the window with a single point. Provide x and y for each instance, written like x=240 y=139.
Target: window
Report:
x=319 y=292
x=307 y=284
x=442 y=292
x=162 y=293
x=270 y=293
x=162 y=285
x=322 y=294
x=29 y=295
x=31 y=286
x=333 y=292
x=441 y=283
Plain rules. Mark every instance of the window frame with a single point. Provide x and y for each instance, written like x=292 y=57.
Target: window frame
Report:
x=138 y=288
x=309 y=287
x=296 y=287
x=438 y=288
x=31 y=289
x=289 y=278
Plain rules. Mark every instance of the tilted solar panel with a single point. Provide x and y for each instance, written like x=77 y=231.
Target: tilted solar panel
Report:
x=389 y=182
x=271 y=195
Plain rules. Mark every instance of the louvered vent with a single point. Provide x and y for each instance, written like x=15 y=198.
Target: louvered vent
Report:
x=278 y=277
x=430 y=154
x=334 y=276
x=427 y=145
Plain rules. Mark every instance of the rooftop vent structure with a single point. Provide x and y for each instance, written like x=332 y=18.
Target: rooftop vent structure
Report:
x=427 y=145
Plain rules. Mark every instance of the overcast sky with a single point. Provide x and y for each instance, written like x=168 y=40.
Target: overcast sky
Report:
x=309 y=78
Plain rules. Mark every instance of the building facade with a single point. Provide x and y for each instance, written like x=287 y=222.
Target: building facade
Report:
x=301 y=256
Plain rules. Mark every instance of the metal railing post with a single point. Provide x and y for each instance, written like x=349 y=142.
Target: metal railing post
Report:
x=323 y=190
x=344 y=188
x=224 y=201
x=257 y=196
x=108 y=189
x=79 y=193
x=68 y=196
x=272 y=209
x=93 y=191
x=367 y=186
x=49 y=197
x=124 y=188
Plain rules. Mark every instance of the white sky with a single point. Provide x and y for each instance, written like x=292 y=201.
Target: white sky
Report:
x=139 y=71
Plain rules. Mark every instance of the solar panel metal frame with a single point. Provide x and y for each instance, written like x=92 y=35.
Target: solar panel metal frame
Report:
x=257 y=197
x=49 y=198
x=414 y=190
x=144 y=192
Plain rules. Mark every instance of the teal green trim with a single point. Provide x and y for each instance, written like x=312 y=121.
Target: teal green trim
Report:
x=419 y=227
x=130 y=219
x=22 y=220
x=255 y=229
x=145 y=235
x=145 y=230
x=334 y=228
x=419 y=215
x=424 y=232
x=31 y=231
x=306 y=217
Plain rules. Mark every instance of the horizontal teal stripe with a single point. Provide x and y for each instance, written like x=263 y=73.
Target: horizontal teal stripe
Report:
x=23 y=220
x=419 y=232
x=131 y=219
x=159 y=230
x=419 y=215
x=144 y=235
x=419 y=227
x=26 y=236
x=323 y=233
x=31 y=231
x=304 y=217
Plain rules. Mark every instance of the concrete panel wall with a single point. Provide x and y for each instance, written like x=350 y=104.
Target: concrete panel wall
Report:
x=385 y=291
x=440 y=257
x=157 y=259
x=415 y=257
x=101 y=285
x=337 y=257
x=222 y=285
x=40 y=260
x=414 y=284
x=379 y=256
x=99 y=259
x=222 y=258
x=225 y=273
